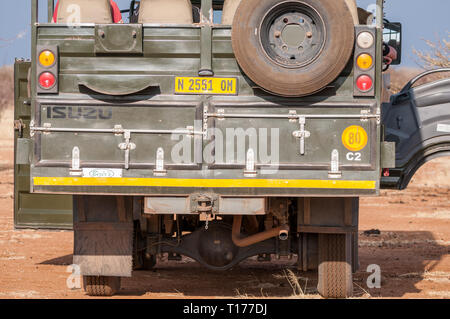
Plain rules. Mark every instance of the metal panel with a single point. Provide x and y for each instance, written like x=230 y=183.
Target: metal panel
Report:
x=178 y=50
x=242 y=206
x=32 y=210
x=171 y=125
x=415 y=120
x=260 y=124
x=167 y=205
x=388 y=155
x=116 y=38
x=23 y=151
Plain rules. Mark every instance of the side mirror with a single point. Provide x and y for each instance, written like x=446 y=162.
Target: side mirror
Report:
x=392 y=35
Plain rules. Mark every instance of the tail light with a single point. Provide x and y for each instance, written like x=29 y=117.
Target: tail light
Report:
x=364 y=83
x=47 y=80
x=365 y=40
x=47 y=69
x=47 y=58
x=364 y=61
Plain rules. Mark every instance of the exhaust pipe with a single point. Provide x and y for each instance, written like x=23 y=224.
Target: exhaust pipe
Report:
x=284 y=234
x=238 y=240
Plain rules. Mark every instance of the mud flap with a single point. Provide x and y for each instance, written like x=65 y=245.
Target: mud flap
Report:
x=417 y=120
x=318 y=216
x=103 y=235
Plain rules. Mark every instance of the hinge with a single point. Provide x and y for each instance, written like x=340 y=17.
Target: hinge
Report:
x=118 y=130
x=31 y=128
x=191 y=131
x=293 y=116
x=220 y=114
x=19 y=126
x=365 y=115
x=46 y=128
x=205 y=121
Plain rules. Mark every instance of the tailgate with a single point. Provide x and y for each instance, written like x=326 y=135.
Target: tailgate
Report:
x=187 y=145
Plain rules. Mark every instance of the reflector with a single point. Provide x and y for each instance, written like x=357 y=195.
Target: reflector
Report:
x=364 y=61
x=365 y=40
x=46 y=58
x=47 y=80
x=364 y=83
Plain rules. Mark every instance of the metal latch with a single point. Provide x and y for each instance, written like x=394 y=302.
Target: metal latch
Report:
x=335 y=172
x=302 y=134
x=19 y=126
x=221 y=114
x=76 y=170
x=127 y=147
x=293 y=116
x=250 y=170
x=365 y=115
x=160 y=170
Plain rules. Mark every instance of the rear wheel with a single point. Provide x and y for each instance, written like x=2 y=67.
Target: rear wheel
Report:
x=335 y=266
x=293 y=48
x=101 y=285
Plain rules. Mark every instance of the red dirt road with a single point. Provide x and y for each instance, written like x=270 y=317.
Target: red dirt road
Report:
x=413 y=252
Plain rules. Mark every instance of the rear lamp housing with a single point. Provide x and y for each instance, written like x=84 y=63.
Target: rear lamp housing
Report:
x=364 y=65
x=47 y=72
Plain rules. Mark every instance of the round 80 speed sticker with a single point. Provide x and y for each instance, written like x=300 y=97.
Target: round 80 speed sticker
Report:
x=354 y=138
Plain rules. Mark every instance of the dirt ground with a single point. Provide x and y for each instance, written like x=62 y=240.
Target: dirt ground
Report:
x=412 y=251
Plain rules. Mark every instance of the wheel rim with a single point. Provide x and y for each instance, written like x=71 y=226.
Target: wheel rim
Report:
x=292 y=34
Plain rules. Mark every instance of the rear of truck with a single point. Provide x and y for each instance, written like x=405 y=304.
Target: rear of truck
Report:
x=181 y=138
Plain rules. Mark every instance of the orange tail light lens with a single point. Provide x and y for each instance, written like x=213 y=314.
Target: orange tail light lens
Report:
x=46 y=58
x=47 y=80
x=364 y=61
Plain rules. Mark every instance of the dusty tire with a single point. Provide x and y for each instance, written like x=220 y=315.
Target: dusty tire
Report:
x=335 y=267
x=301 y=53
x=101 y=285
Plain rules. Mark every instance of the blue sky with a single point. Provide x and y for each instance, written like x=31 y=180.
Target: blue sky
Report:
x=421 y=20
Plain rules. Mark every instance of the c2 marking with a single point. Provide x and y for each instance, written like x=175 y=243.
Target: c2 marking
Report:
x=353 y=157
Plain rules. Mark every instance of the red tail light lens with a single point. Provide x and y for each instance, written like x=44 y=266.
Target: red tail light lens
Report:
x=47 y=80
x=364 y=83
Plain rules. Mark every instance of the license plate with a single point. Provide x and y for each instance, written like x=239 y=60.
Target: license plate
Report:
x=200 y=85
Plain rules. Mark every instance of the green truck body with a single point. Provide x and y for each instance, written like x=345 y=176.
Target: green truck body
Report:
x=114 y=125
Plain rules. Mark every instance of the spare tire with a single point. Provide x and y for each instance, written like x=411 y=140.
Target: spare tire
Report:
x=293 y=48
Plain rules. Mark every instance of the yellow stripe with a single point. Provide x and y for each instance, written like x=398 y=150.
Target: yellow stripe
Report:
x=218 y=183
